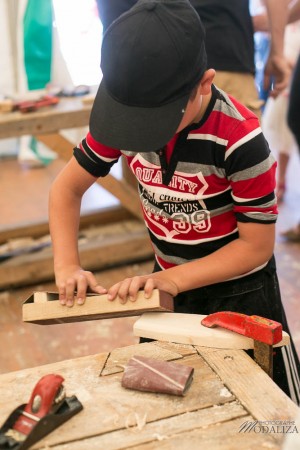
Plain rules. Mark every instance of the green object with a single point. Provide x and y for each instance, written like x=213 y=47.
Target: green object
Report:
x=37 y=25
x=34 y=146
x=37 y=41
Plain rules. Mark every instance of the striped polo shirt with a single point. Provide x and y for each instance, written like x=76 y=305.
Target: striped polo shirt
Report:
x=207 y=178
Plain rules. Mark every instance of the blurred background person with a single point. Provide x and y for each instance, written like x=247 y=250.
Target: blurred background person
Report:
x=274 y=120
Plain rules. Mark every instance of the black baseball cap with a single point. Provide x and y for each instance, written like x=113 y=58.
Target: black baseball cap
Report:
x=152 y=57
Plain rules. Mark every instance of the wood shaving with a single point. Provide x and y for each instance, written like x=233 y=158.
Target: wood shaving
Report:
x=138 y=422
x=160 y=437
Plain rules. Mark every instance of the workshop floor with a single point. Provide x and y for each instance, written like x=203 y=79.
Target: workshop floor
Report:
x=23 y=198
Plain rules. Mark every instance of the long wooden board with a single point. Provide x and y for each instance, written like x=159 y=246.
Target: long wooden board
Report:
x=187 y=329
x=44 y=307
x=38 y=228
x=68 y=113
x=106 y=246
x=238 y=372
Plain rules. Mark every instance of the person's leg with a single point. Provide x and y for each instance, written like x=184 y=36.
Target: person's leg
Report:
x=242 y=87
x=294 y=104
x=283 y=159
x=293 y=119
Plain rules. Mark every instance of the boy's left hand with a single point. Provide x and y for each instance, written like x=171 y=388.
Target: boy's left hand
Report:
x=128 y=288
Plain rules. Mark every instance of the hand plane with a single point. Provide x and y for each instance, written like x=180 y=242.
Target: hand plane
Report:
x=47 y=409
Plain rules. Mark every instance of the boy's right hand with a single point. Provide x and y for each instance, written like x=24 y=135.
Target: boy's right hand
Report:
x=75 y=282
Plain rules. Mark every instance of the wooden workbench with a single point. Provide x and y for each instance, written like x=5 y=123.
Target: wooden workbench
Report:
x=46 y=125
x=228 y=389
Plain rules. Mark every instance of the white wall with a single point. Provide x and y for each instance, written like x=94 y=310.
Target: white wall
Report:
x=7 y=76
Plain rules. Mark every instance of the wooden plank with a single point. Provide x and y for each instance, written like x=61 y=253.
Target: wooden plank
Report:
x=187 y=329
x=122 y=190
x=252 y=386
x=68 y=113
x=120 y=356
x=126 y=242
x=37 y=229
x=159 y=431
x=58 y=143
x=104 y=398
x=183 y=349
x=223 y=436
x=44 y=308
x=25 y=380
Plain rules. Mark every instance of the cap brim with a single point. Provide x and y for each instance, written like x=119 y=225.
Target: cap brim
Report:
x=133 y=128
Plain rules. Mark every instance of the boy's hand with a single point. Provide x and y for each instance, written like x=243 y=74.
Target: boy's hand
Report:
x=76 y=280
x=128 y=288
x=277 y=69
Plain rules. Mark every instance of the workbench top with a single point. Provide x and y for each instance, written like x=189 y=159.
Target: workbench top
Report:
x=228 y=389
x=68 y=113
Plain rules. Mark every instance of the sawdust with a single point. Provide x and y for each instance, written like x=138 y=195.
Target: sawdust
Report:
x=269 y=445
x=224 y=392
x=160 y=437
x=4 y=297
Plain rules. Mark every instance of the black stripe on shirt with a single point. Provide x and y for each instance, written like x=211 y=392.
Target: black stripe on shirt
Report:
x=256 y=150
x=99 y=169
x=191 y=252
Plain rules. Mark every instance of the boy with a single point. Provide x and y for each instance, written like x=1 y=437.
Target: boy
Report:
x=205 y=173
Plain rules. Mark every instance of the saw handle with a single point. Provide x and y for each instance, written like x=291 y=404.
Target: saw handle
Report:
x=255 y=327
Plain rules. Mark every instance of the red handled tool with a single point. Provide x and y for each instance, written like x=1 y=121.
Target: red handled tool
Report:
x=47 y=409
x=264 y=332
x=25 y=106
x=33 y=105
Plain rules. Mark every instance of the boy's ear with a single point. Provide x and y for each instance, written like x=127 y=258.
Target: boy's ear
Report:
x=206 y=81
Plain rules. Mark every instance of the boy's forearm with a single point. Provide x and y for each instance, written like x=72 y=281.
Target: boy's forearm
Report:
x=233 y=260
x=64 y=217
x=64 y=212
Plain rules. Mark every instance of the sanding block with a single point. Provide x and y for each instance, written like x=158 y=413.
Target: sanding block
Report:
x=153 y=375
x=44 y=307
